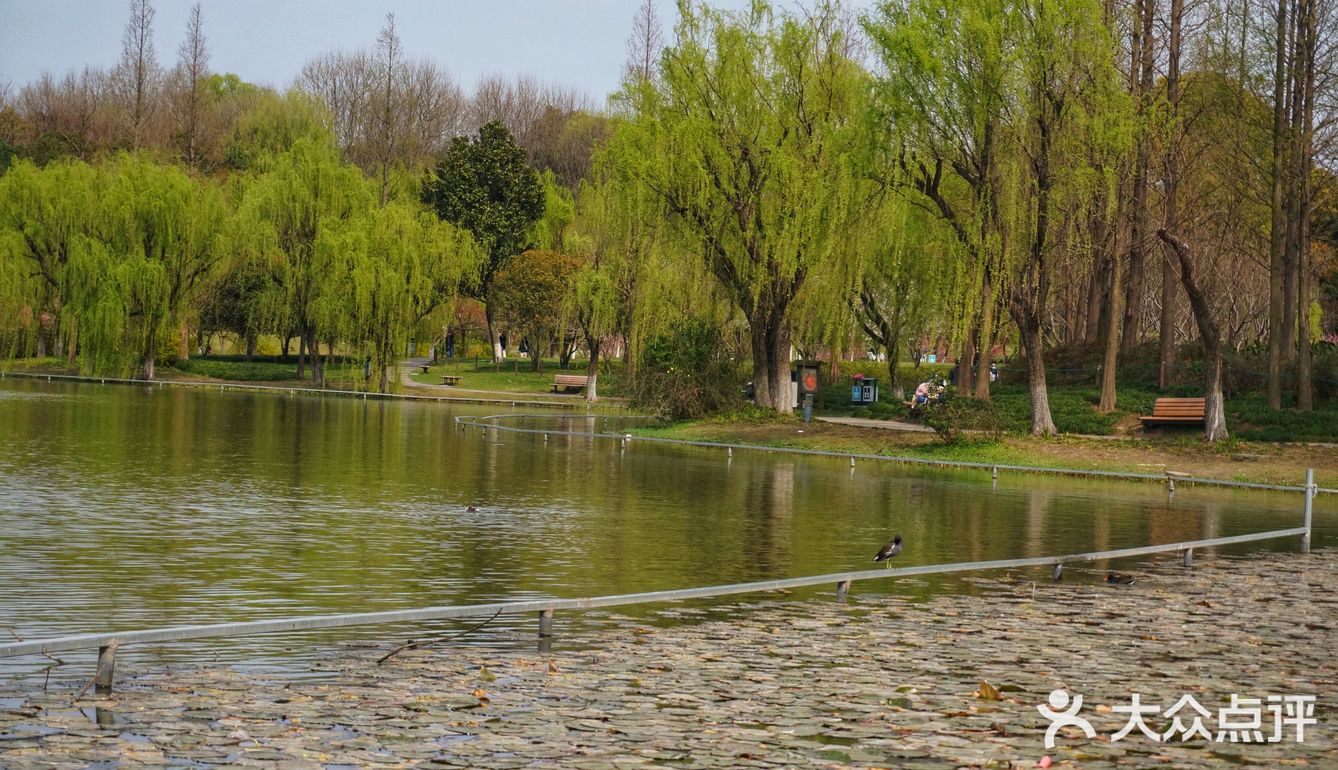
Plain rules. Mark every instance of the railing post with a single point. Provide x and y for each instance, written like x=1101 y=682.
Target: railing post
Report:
x=1189 y=557
x=1057 y=573
x=842 y=590
x=1170 y=482
x=1309 y=507
x=545 y=624
x=102 y=680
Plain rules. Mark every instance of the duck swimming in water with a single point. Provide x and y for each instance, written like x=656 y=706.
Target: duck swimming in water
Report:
x=888 y=551
x=1119 y=578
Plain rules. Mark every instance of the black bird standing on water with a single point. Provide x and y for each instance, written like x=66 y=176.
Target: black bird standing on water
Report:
x=1120 y=578
x=891 y=549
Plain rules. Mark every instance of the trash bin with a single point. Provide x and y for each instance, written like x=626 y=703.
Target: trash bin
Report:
x=864 y=391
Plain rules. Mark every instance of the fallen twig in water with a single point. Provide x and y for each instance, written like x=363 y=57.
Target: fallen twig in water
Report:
x=426 y=642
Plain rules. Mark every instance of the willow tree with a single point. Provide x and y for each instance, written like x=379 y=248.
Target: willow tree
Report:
x=45 y=217
x=160 y=231
x=597 y=299
x=906 y=271
x=941 y=105
x=740 y=138
x=399 y=264
x=1071 y=113
x=302 y=192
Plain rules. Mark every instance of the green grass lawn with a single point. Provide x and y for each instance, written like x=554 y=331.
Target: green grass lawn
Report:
x=512 y=375
x=1073 y=408
x=238 y=369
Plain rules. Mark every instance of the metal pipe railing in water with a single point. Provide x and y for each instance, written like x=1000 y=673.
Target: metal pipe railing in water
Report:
x=108 y=643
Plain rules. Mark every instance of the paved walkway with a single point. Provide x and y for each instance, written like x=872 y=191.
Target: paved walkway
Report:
x=883 y=681
x=865 y=422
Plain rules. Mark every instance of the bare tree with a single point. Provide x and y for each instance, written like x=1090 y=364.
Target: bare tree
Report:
x=1210 y=334
x=644 y=44
x=188 y=91
x=388 y=116
x=64 y=117
x=137 y=75
x=389 y=110
x=520 y=105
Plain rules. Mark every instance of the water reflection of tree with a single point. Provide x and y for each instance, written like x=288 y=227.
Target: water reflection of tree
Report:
x=768 y=510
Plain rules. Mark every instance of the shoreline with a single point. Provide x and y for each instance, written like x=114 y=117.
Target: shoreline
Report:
x=1243 y=463
x=880 y=681
x=229 y=385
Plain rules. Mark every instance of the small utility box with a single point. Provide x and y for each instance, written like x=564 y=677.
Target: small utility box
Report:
x=864 y=391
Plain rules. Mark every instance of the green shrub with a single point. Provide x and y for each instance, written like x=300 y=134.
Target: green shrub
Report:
x=685 y=374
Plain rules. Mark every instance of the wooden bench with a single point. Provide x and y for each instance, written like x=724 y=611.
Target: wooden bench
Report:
x=569 y=382
x=450 y=379
x=1175 y=410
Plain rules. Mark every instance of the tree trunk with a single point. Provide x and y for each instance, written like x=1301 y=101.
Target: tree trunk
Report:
x=149 y=367
x=1292 y=252
x=893 y=346
x=1277 y=228
x=317 y=364
x=493 y=339
x=778 y=341
x=984 y=354
x=1214 y=426
x=769 y=335
x=1305 y=386
x=302 y=355
x=1166 y=354
x=1029 y=329
x=1171 y=172
x=251 y=347
x=592 y=369
x=966 y=364
x=1110 y=360
x=184 y=350
x=1098 y=283
x=1132 y=300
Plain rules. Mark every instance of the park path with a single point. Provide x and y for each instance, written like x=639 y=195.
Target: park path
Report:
x=865 y=422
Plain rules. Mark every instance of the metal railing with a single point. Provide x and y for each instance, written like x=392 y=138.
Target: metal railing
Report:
x=108 y=643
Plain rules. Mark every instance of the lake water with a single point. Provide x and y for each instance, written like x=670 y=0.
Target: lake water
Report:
x=127 y=507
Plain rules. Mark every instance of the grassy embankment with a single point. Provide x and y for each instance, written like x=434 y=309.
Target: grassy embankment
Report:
x=1183 y=451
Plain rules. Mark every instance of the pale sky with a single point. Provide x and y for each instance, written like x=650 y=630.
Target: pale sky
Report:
x=573 y=42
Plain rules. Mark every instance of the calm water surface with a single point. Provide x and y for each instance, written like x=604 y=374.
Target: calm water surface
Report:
x=127 y=507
